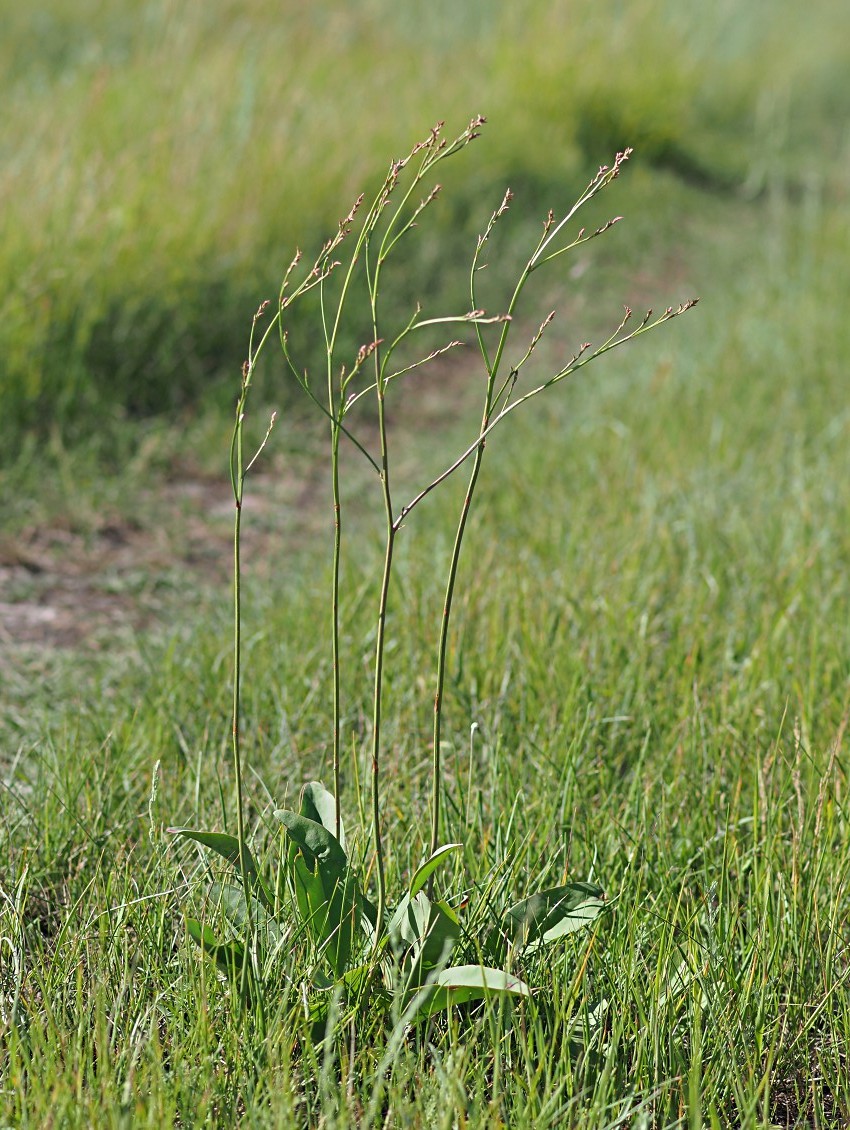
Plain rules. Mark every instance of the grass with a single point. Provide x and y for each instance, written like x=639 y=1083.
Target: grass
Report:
x=159 y=169
x=651 y=632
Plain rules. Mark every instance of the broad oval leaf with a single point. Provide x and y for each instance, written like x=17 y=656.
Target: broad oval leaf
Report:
x=397 y=927
x=200 y=934
x=423 y=935
x=228 y=848
x=481 y=977
x=326 y=889
x=464 y=984
x=228 y=956
x=313 y=836
x=551 y=914
x=234 y=906
x=422 y=873
x=320 y=805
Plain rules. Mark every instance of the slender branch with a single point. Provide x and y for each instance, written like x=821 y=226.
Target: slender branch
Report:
x=602 y=179
x=487 y=425
x=644 y=327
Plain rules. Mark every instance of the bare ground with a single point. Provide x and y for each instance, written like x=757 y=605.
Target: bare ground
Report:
x=66 y=587
x=75 y=584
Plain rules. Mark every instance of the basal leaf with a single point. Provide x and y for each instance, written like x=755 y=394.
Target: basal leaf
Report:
x=326 y=889
x=449 y=912
x=553 y=913
x=481 y=977
x=228 y=848
x=201 y=935
x=369 y=914
x=313 y=837
x=343 y=923
x=234 y=906
x=398 y=928
x=228 y=956
x=423 y=935
x=425 y=870
x=310 y=893
x=319 y=805
x=464 y=984
x=437 y=933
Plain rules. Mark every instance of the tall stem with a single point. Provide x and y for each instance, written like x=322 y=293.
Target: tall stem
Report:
x=237 y=664
x=379 y=650
x=442 y=647
x=238 y=476
x=444 y=636
x=377 y=702
x=376 y=732
x=335 y=626
x=335 y=430
x=238 y=471
x=336 y=411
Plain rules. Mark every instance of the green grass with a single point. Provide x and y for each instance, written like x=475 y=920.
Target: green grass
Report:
x=651 y=632
x=160 y=164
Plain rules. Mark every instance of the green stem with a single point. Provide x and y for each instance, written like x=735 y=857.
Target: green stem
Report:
x=376 y=733
x=239 y=481
x=538 y=257
x=380 y=389
x=335 y=625
x=336 y=411
x=238 y=471
x=335 y=431
x=442 y=647
x=443 y=643
x=379 y=648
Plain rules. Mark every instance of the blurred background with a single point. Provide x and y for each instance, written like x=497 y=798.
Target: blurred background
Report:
x=159 y=162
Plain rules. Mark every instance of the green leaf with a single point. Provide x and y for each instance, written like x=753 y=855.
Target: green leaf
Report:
x=424 y=871
x=314 y=839
x=201 y=935
x=234 y=905
x=326 y=889
x=344 y=922
x=350 y=987
x=319 y=805
x=369 y=915
x=228 y=847
x=228 y=956
x=553 y=913
x=429 y=928
x=462 y=977
x=423 y=934
x=310 y=896
x=449 y=912
x=465 y=983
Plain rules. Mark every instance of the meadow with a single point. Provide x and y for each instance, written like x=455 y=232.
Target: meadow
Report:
x=648 y=674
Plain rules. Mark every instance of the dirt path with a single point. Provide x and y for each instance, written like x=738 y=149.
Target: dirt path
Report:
x=70 y=588
x=74 y=585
